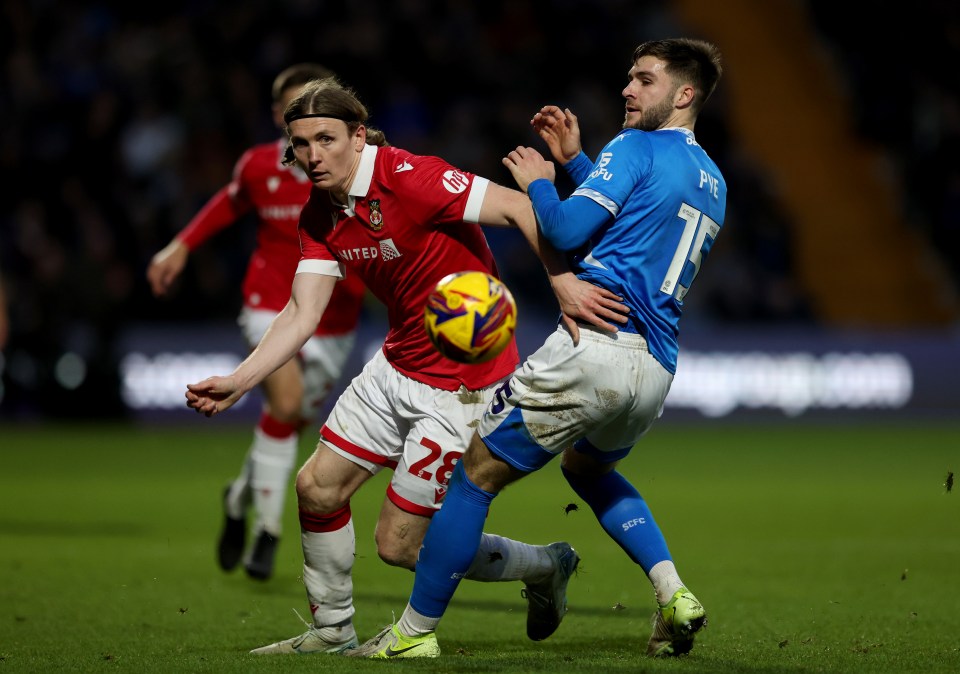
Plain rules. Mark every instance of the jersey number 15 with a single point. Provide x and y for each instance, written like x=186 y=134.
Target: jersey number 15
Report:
x=699 y=233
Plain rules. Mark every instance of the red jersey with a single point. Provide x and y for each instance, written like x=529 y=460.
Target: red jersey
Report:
x=411 y=221
x=277 y=193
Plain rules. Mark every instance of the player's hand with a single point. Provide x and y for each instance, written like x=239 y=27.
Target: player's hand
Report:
x=526 y=165
x=560 y=130
x=213 y=395
x=586 y=302
x=166 y=266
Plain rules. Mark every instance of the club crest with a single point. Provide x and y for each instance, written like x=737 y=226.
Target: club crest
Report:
x=376 y=215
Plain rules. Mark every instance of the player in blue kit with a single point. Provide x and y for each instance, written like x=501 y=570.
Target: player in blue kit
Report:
x=640 y=224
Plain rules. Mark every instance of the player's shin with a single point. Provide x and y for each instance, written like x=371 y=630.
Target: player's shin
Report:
x=272 y=458
x=449 y=548
x=328 y=552
x=627 y=519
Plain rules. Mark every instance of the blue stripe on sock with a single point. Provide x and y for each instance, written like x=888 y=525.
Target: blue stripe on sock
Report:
x=624 y=515
x=450 y=545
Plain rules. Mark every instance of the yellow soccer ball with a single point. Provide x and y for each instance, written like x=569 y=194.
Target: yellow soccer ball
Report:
x=470 y=317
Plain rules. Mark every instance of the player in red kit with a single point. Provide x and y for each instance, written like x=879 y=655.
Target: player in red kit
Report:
x=401 y=222
x=292 y=395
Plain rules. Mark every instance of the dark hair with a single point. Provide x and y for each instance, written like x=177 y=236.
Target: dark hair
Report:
x=297 y=75
x=328 y=98
x=687 y=60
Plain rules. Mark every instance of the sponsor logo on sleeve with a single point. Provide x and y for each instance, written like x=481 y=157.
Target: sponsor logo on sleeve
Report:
x=455 y=182
x=601 y=170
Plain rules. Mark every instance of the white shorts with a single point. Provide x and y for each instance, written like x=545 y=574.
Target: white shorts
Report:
x=600 y=396
x=322 y=359
x=387 y=420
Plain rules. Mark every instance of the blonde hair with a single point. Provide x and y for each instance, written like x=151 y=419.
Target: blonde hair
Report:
x=329 y=98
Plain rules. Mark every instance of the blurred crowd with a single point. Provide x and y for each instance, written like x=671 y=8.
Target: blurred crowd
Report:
x=902 y=77
x=121 y=120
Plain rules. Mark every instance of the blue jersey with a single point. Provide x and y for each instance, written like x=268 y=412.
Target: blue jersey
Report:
x=668 y=201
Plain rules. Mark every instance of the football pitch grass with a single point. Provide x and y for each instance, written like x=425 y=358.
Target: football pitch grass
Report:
x=813 y=548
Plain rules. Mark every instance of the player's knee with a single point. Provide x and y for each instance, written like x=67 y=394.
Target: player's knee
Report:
x=317 y=498
x=578 y=465
x=306 y=488
x=397 y=552
x=285 y=408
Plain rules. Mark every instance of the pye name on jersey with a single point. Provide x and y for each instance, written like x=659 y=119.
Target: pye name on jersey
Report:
x=713 y=184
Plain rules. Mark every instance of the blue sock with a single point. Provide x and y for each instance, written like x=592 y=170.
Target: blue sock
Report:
x=450 y=545
x=624 y=515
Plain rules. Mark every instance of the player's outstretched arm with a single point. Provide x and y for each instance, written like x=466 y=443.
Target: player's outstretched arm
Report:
x=526 y=165
x=578 y=299
x=213 y=395
x=560 y=131
x=288 y=332
x=224 y=208
x=165 y=267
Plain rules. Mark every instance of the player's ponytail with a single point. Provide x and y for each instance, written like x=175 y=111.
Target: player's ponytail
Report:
x=376 y=137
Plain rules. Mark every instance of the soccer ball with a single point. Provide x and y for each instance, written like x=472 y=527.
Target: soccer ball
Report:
x=470 y=317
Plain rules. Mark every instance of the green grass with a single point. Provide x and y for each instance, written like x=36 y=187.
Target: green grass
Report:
x=814 y=549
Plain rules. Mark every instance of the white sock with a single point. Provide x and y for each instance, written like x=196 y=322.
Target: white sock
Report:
x=239 y=496
x=327 y=574
x=497 y=559
x=272 y=461
x=337 y=633
x=412 y=624
x=500 y=559
x=665 y=580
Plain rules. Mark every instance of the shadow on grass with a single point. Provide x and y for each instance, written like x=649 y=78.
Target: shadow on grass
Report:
x=495 y=606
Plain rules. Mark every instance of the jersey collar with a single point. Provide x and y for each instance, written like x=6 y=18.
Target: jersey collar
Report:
x=361 y=182
x=681 y=129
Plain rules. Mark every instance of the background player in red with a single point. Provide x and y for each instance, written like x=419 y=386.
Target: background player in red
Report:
x=294 y=392
x=401 y=222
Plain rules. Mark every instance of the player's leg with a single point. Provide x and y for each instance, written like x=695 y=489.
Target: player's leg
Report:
x=449 y=547
x=262 y=482
x=519 y=431
x=359 y=438
x=454 y=546
x=453 y=539
x=621 y=511
x=267 y=466
x=273 y=456
x=589 y=466
x=627 y=518
x=294 y=393
x=325 y=485
x=399 y=536
x=237 y=498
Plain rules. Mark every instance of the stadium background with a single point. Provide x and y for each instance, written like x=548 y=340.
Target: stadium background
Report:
x=812 y=509
x=832 y=289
